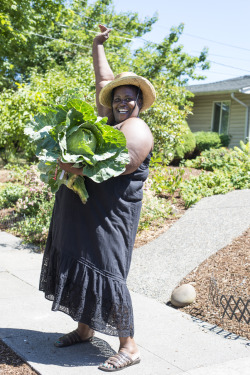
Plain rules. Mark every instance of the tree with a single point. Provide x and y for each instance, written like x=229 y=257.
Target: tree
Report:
x=20 y=21
x=47 y=33
x=47 y=67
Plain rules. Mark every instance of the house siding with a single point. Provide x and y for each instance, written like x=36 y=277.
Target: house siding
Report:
x=201 y=119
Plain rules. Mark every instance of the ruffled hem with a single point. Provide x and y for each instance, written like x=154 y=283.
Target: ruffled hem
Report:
x=87 y=295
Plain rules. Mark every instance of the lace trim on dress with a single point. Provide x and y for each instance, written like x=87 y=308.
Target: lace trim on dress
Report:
x=88 y=296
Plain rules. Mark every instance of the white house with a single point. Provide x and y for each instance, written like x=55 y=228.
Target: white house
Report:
x=223 y=107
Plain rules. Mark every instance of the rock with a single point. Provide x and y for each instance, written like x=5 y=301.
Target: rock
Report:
x=183 y=295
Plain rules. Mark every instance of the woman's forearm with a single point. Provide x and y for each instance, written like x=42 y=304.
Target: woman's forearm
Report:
x=102 y=69
x=103 y=72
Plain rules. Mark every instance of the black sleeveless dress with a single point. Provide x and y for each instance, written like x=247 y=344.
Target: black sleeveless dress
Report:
x=88 y=252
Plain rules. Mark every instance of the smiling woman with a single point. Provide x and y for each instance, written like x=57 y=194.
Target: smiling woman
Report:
x=89 y=247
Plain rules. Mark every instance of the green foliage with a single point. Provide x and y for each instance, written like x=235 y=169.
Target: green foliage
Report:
x=229 y=170
x=186 y=144
x=165 y=180
x=225 y=139
x=205 y=185
x=222 y=158
x=166 y=117
x=207 y=140
x=32 y=202
x=18 y=107
x=169 y=58
x=154 y=210
x=20 y=48
x=36 y=34
x=10 y=194
x=34 y=228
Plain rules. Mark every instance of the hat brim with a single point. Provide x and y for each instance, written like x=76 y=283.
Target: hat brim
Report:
x=148 y=91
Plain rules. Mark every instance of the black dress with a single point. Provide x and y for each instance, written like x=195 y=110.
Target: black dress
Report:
x=88 y=252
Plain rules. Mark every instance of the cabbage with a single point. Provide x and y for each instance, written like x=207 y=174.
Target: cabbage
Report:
x=77 y=142
x=73 y=133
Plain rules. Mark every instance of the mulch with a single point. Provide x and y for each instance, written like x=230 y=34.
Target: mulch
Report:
x=222 y=284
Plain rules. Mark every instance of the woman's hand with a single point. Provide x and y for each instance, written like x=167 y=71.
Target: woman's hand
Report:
x=68 y=167
x=104 y=35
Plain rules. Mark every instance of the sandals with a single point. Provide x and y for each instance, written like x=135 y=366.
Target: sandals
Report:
x=71 y=339
x=118 y=362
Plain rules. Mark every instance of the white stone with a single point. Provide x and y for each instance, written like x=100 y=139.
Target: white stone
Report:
x=183 y=295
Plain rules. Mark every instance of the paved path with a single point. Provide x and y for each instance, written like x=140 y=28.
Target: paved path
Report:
x=205 y=228
x=170 y=341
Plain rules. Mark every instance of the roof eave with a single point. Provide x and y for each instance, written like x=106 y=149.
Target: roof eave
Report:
x=213 y=92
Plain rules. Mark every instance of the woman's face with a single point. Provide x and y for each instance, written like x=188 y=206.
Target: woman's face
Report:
x=124 y=103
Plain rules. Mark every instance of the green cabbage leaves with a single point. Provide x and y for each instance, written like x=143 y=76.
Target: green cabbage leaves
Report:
x=73 y=133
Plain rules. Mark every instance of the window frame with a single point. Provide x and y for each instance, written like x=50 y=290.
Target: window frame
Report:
x=229 y=115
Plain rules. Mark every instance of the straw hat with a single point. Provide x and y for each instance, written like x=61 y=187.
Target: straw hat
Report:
x=128 y=78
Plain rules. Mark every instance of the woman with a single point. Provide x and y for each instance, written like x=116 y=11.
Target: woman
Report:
x=89 y=247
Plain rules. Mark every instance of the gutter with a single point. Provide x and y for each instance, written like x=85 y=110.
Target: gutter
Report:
x=247 y=128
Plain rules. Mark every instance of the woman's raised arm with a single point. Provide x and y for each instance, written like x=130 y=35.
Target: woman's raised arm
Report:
x=103 y=72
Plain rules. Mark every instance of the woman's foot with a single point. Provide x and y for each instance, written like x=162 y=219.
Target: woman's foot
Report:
x=119 y=361
x=128 y=355
x=82 y=334
x=84 y=331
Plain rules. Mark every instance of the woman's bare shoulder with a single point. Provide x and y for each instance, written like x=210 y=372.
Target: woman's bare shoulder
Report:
x=133 y=122
x=137 y=133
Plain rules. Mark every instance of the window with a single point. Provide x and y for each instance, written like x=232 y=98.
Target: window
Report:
x=221 y=117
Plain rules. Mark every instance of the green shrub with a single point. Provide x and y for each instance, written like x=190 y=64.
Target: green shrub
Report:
x=205 y=185
x=222 y=158
x=207 y=140
x=166 y=181
x=34 y=229
x=37 y=192
x=229 y=170
x=154 y=210
x=183 y=147
x=186 y=146
x=33 y=204
x=10 y=195
x=225 y=139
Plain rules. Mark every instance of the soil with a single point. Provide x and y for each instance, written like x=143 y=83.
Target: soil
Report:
x=222 y=280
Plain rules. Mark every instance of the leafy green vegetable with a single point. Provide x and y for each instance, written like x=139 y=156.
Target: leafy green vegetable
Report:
x=73 y=133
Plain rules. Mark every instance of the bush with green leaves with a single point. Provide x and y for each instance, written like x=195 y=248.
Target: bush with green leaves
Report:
x=228 y=170
x=10 y=194
x=186 y=144
x=32 y=202
x=165 y=180
x=37 y=192
x=34 y=228
x=154 y=209
x=207 y=140
x=222 y=158
x=225 y=139
x=205 y=185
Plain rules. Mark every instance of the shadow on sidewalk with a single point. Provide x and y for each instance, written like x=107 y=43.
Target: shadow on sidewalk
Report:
x=37 y=347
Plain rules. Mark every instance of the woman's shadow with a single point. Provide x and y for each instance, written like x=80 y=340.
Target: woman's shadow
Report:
x=38 y=347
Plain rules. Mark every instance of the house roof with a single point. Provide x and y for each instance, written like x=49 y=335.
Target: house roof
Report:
x=229 y=85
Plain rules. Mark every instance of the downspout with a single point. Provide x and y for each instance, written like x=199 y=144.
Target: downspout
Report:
x=247 y=128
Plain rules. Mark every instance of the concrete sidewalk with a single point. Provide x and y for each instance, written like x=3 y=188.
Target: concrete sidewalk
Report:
x=170 y=341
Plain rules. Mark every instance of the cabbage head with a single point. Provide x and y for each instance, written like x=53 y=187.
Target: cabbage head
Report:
x=79 y=140
x=73 y=133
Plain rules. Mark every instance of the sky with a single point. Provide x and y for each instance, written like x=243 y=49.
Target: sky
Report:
x=223 y=26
